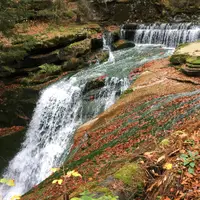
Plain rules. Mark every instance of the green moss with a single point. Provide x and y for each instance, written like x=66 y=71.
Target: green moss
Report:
x=103 y=190
x=128 y=91
x=164 y=142
x=9 y=69
x=180 y=46
x=193 y=60
x=12 y=55
x=78 y=48
x=178 y=59
x=129 y=174
x=69 y=14
x=49 y=69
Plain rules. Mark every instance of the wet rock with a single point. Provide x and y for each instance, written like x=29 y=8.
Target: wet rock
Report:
x=17 y=106
x=95 y=84
x=97 y=42
x=98 y=57
x=122 y=44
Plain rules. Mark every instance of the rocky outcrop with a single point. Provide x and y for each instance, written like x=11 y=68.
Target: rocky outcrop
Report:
x=187 y=56
x=25 y=54
x=121 y=11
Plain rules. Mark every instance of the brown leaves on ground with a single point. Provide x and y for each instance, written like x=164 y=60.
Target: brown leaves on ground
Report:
x=173 y=181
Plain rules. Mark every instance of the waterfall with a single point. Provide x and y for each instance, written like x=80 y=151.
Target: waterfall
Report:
x=58 y=113
x=169 y=35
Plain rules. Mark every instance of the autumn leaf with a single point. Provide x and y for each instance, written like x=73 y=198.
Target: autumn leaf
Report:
x=55 y=169
x=167 y=166
x=15 y=197
x=73 y=173
x=9 y=182
x=59 y=181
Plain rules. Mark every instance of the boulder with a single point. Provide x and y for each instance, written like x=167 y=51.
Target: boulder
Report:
x=97 y=41
x=95 y=84
x=122 y=44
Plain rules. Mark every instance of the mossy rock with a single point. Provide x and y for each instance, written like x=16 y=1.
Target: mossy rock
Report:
x=94 y=85
x=178 y=59
x=122 y=44
x=192 y=65
x=131 y=174
x=193 y=61
x=189 y=71
x=78 y=49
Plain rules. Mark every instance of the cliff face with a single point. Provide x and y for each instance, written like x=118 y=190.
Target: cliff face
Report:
x=120 y=11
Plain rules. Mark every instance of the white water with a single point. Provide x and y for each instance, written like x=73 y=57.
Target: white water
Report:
x=107 y=41
x=168 y=34
x=62 y=108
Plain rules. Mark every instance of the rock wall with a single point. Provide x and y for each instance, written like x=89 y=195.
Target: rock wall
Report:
x=121 y=11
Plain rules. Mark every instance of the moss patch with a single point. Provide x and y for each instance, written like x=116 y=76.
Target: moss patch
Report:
x=130 y=174
x=193 y=60
x=178 y=59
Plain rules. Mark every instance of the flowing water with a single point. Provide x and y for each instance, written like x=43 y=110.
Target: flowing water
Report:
x=64 y=106
x=168 y=34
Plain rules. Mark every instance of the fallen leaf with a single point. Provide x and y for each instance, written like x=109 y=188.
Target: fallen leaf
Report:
x=73 y=173
x=15 y=197
x=167 y=166
x=55 y=169
x=59 y=181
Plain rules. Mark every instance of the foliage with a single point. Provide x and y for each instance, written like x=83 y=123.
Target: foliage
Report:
x=49 y=69
x=12 y=12
x=189 y=160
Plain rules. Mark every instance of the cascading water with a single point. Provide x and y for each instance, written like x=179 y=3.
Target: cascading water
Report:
x=167 y=34
x=107 y=41
x=62 y=107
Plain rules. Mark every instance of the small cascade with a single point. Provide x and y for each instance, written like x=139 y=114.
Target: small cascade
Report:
x=107 y=42
x=170 y=35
